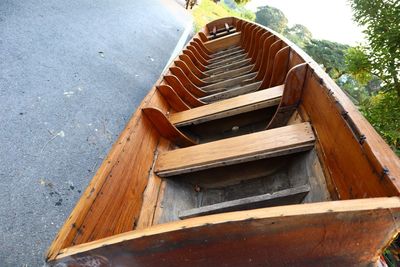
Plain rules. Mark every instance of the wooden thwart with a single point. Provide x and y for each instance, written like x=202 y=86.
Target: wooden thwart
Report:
x=228 y=107
x=279 y=141
x=283 y=197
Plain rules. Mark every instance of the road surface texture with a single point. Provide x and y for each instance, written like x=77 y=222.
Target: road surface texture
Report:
x=71 y=75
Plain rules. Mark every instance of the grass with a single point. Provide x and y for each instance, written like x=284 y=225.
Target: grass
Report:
x=208 y=11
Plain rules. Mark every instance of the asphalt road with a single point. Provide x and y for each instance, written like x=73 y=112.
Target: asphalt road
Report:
x=71 y=75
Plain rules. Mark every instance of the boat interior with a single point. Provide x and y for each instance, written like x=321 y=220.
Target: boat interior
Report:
x=242 y=121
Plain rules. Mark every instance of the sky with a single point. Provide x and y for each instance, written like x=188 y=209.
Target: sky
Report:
x=326 y=19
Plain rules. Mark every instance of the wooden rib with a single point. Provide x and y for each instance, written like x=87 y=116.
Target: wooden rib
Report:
x=192 y=66
x=194 y=60
x=280 y=68
x=199 y=58
x=190 y=75
x=172 y=98
x=230 y=150
x=166 y=129
x=192 y=88
x=184 y=94
x=279 y=198
x=304 y=235
x=229 y=107
x=294 y=84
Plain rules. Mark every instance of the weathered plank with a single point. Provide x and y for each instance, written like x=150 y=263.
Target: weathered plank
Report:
x=283 y=197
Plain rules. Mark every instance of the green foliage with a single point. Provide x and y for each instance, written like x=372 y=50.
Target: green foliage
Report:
x=242 y=2
x=329 y=54
x=358 y=64
x=208 y=11
x=381 y=18
x=382 y=111
x=272 y=18
x=299 y=34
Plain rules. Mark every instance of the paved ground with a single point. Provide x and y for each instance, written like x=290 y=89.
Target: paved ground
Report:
x=71 y=74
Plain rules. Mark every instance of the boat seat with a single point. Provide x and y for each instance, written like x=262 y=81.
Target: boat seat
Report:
x=229 y=107
x=269 y=143
x=167 y=126
x=294 y=195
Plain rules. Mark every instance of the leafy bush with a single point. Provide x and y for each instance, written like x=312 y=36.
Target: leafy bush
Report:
x=382 y=111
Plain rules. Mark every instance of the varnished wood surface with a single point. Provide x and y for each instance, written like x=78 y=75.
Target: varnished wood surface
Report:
x=138 y=138
x=166 y=129
x=353 y=167
x=229 y=107
x=318 y=234
x=233 y=149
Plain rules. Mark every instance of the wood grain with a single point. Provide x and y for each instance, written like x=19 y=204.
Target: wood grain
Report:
x=166 y=129
x=318 y=234
x=228 y=150
x=228 y=107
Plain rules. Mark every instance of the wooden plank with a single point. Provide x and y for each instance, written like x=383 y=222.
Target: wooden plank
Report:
x=125 y=147
x=229 y=74
x=336 y=233
x=229 y=83
x=226 y=61
x=150 y=195
x=232 y=150
x=228 y=107
x=231 y=66
x=245 y=89
x=223 y=42
x=341 y=152
x=283 y=197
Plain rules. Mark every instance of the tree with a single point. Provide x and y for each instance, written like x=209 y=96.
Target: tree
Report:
x=381 y=18
x=358 y=64
x=242 y=2
x=299 y=34
x=383 y=110
x=329 y=54
x=272 y=18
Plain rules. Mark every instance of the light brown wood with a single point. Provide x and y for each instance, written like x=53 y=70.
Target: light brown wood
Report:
x=188 y=84
x=230 y=150
x=335 y=137
x=166 y=129
x=228 y=107
x=223 y=42
x=123 y=193
x=172 y=98
x=291 y=96
x=78 y=228
x=184 y=94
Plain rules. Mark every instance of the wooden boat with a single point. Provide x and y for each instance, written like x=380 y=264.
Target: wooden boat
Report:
x=245 y=153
